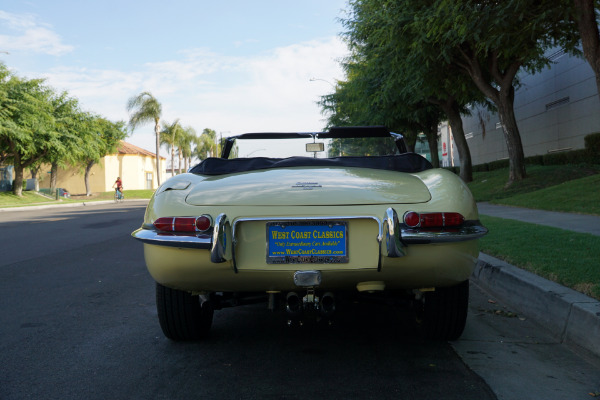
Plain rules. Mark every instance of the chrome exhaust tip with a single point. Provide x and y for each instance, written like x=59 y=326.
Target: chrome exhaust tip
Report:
x=293 y=303
x=327 y=304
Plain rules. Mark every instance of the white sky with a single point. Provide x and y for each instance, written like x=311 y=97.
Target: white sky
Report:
x=234 y=66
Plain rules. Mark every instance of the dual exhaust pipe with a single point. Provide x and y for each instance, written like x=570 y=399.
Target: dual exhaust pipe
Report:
x=296 y=305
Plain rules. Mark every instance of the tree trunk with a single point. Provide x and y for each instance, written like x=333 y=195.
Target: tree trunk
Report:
x=503 y=96
x=18 y=185
x=86 y=178
x=172 y=159
x=432 y=140
x=410 y=138
x=585 y=16
x=512 y=136
x=179 y=162
x=34 y=175
x=53 y=176
x=157 y=132
x=450 y=107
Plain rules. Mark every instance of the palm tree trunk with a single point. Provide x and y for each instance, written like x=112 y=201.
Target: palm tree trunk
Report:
x=157 y=132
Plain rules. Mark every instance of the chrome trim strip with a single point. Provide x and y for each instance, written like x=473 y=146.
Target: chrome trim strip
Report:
x=148 y=236
x=417 y=236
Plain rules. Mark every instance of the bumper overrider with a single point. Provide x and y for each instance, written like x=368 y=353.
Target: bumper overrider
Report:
x=394 y=235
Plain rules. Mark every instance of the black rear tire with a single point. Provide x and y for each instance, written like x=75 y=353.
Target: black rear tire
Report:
x=181 y=315
x=443 y=313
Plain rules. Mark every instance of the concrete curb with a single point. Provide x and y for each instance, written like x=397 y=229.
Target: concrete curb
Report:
x=570 y=316
x=66 y=205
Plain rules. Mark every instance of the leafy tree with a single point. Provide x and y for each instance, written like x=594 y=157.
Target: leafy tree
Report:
x=585 y=15
x=383 y=38
x=27 y=129
x=429 y=47
x=100 y=137
x=491 y=42
x=68 y=125
x=145 y=108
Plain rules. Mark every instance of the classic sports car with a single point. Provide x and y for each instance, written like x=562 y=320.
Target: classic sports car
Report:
x=357 y=216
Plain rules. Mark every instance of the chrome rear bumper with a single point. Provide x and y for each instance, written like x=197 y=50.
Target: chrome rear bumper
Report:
x=393 y=237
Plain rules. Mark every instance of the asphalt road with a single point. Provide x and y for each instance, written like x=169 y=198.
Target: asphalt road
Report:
x=78 y=321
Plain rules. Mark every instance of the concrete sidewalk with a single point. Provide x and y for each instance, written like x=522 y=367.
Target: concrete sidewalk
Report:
x=573 y=222
x=572 y=317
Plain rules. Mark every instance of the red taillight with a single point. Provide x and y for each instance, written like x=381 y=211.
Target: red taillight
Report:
x=184 y=224
x=453 y=219
x=165 y=224
x=433 y=220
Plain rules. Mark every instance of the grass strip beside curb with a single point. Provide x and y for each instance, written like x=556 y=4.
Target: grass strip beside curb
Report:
x=568 y=258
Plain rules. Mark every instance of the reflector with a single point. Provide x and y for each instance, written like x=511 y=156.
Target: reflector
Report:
x=411 y=219
x=203 y=223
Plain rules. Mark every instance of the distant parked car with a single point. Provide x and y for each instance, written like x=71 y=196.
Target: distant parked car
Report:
x=354 y=216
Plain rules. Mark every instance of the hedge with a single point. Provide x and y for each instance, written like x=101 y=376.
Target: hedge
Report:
x=589 y=155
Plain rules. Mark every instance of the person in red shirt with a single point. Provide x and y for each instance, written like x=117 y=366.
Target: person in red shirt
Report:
x=118 y=185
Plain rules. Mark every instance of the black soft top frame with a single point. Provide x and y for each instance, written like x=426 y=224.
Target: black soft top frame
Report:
x=334 y=133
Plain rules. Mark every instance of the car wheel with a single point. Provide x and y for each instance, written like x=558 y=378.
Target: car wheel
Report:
x=442 y=314
x=181 y=315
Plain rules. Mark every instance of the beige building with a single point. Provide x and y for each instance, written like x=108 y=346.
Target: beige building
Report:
x=135 y=166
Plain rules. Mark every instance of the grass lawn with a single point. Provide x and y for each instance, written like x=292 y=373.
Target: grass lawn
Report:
x=566 y=257
x=8 y=199
x=581 y=196
x=490 y=186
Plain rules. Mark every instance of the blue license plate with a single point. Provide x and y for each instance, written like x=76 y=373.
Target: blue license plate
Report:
x=310 y=242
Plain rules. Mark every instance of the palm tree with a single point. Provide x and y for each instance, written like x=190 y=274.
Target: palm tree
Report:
x=186 y=139
x=145 y=108
x=205 y=144
x=169 y=135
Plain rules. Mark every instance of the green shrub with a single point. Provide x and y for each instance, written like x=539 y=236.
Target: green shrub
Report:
x=567 y=157
x=592 y=143
x=498 y=164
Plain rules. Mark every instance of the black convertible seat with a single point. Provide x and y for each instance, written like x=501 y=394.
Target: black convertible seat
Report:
x=407 y=162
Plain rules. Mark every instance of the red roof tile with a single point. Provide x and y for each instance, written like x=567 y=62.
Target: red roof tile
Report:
x=128 y=148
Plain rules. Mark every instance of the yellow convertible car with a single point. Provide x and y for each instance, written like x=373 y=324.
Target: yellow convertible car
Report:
x=300 y=221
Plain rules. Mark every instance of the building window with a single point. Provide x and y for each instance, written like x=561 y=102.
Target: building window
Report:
x=557 y=103
x=556 y=55
x=148 y=180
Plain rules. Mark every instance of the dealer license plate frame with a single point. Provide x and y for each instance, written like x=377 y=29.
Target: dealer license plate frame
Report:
x=321 y=227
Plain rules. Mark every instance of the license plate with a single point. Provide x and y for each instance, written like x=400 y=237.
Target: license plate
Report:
x=307 y=242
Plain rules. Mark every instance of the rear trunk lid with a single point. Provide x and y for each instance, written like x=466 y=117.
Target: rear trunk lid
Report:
x=309 y=186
